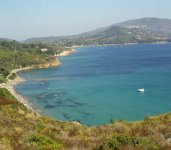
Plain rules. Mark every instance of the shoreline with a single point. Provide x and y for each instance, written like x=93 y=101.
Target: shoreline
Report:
x=124 y=44
x=10 y=84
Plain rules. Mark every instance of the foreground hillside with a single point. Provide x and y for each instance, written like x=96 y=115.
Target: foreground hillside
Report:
x=22 y=129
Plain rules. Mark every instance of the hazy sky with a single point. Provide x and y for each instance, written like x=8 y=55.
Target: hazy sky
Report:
x=21 y=19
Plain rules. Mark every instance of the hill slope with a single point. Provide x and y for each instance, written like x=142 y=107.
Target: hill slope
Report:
x=145 y=30
x=22 y=129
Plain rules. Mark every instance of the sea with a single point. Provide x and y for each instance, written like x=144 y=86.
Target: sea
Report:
x=100 y=83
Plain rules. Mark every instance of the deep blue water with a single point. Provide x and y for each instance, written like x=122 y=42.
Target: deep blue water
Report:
x=99 y=83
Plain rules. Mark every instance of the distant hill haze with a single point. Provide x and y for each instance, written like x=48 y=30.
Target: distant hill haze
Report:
x=5 y=39
x=145 y=30
x=148 y=23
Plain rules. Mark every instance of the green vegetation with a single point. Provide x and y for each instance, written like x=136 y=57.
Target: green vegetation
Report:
x=3 y=72
x=12 y=76
x=127 y=142
x=6 y=94
x=43 y=142
x=6 y=97
x=23 y=129
x=2 y=80
x=16 y=55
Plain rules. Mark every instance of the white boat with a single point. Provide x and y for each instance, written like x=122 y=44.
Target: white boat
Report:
x=141 y=90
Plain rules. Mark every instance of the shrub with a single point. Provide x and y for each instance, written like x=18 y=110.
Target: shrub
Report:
x=6 y=94
x=111 y=120
x=2 y=80
x=6 y=97
x=117 y=142
x=42 y=142
x=12 y=76
x=112 y=144
x=124 y=139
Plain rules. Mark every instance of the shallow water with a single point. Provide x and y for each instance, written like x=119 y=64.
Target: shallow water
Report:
x=99 y=83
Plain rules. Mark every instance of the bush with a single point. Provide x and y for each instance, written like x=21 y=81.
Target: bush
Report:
x=42 y=142
x=12 y=76
x=2 y=80
x=6 y=94
x=124 y=140
x=4 y=72
x=112 y=144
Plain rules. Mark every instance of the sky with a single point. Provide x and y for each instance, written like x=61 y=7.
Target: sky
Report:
x=22 y=19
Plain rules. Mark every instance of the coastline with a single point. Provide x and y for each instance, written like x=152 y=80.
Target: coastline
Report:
x=124 y=44
x=10 y=84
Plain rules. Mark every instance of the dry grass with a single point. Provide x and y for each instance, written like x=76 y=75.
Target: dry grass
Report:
x=17 y=125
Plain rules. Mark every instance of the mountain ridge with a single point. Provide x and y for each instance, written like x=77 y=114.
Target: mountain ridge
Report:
x=137 y=31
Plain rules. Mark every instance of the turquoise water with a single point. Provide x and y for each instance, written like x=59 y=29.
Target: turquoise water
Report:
x=99 y=83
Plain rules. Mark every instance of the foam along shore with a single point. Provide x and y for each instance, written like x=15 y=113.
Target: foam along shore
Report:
x=10 y=84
